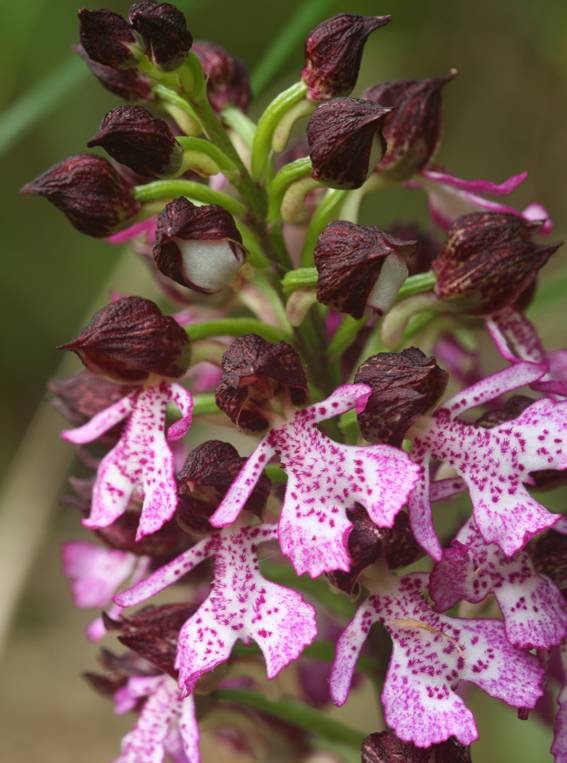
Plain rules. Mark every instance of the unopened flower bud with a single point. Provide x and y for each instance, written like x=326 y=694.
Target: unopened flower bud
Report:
x=253 y=372
x=489 y=260
x=92 y=194
x=198 y=247
x=80 y=397
x=333 y=51
x=153 y=633
x=228 y=83
x=404 y=385
x=107 y=38
x=129 y=340
x=204 y=480
x=164 y=32
x=412 y=129
x=386 y=747
x=367 y=543
x=128 y=84
x=134 y=137
x=344 y=141
x=360 y=266
x=514 y=406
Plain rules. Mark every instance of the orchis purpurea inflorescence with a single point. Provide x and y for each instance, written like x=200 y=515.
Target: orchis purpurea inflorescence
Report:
x=308 y=336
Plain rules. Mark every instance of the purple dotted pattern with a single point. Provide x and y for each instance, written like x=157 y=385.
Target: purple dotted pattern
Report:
x=432 y=653
x=532 y=606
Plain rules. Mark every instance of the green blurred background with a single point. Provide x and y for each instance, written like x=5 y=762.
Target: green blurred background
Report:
x=506 y=112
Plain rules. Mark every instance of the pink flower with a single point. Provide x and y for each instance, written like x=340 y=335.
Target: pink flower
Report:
x=517 y=340
x=146 y=228
x=532 y=606
x=450 y=197
x=166 y=726
x=141 y=463
x=242 y=604
x=559 y=746
x=325 y=479
x=95 y=574
x=431 y=654
x=494 y=463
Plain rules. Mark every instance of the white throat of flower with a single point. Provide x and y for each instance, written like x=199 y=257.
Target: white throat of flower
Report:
x=210 y=265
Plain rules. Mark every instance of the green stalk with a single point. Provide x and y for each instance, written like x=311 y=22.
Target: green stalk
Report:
x=296 y=713
x=325 y=212
x=169 y=189
x=236 y=327
x=240 y=123
x=288 y=175
x=262 y=145
x=205 y=404
x=202 y=146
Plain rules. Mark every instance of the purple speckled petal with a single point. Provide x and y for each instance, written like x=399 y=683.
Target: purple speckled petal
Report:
x=495 y=463
x=100 y=423
x=241 y=605
x=559 y=746
x=95 y=572
x=184 y=401
x=146 y=743
x=419 y=506
x=431 y=654
x=493 y=386
x=147 y=227
x=477 y=186
x=189 y=730
x=240 y=490
x=532 y=606
x=141 y=463
x=137 y=687
x=325 y=479
x=441 y=490
x=561 y=525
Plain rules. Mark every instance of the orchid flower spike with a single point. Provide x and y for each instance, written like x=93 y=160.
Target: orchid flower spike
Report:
x=242 y=604
x=325 y=479
x=494 y=463
x=431 y=654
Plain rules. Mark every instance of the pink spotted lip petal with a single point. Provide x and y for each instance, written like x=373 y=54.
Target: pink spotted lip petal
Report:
x=242 y=604
x=141 y=462
x=431 y=654
x=477 y=186
x=95 y=572
x=559 y=746
x=325 y=479
x=532 y=606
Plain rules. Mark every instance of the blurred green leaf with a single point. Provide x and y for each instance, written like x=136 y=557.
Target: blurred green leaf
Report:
x=277 y=54
x=40 y=101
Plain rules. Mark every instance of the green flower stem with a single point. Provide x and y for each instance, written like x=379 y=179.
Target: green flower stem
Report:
x=344 y=336
x=169 y=97
x=305 y=278
x=325 y=212
x=416 y=284
x=296 y=713
x=240 y=123
x=267 y=124
x=288 y=175
x=276 y=474
x=236 y=327
x=201 y=146
x=205 y=404
x=170 y=189
x=282 y=132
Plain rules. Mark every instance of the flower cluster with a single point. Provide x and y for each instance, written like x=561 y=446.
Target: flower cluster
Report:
x=285 y=320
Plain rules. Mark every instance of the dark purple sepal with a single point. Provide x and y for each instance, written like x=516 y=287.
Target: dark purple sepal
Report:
x=96 y=199
x=404 y=385
x=385 y=747
x=181 y=221
x=163 y=30
x=152 y=633
x=107 y=38
x=130 y=339
x=204 y=480
x=412 y=130
x=349 y=259
x=341 y=135
x=134 y=137
x=228 y=82
x=427 y=247
x=253 y=372
x=127 y=84
x=333 y=52
x=489 y=260
x=548 y=553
